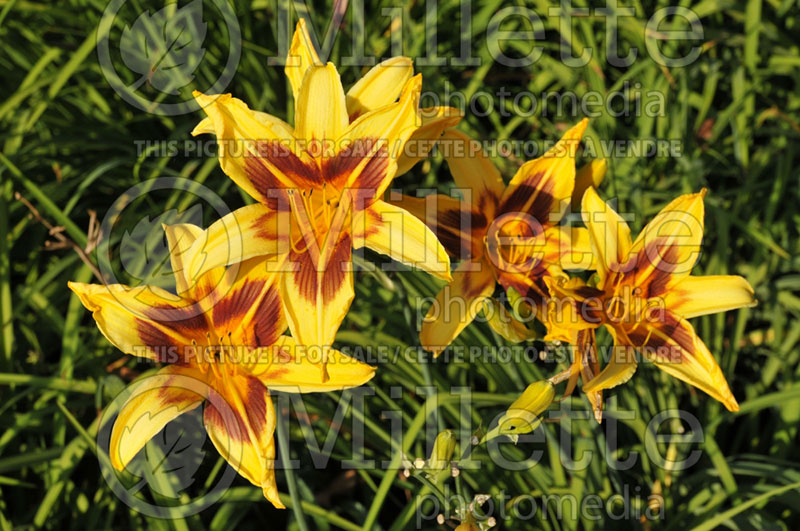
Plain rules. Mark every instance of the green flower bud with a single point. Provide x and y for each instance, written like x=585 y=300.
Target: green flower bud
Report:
x=536 y=398
x=523 y=415
x=443 y=448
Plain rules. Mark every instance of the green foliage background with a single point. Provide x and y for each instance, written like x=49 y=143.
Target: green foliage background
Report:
x=69 y=147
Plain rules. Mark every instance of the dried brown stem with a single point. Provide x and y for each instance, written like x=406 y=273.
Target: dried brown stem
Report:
x=63 y=241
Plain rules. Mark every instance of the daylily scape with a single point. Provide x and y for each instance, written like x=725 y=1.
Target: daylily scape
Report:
x=543 y=256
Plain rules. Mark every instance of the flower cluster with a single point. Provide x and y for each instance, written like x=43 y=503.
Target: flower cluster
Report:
x=641 y=291
x=285 y=262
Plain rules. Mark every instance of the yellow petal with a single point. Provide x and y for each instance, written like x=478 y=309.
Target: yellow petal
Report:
x=609 y=234
x=694 y=296
x=206 y=289
x=301 y=56
x=180 y=238
x=392 y=231
x=558 y=332
x=569 y=247
x=672 y=344
x=433 y=122
x=668 y=247
x=154 y=401
x=317 y=294
x=320 y=109
x=587 y=365
x=377 y=139
x=258 y=153
x=456 y=305
x=146 y=321
x=292 y=368
x=619 y=370
x=240 y=420
x=473 y=171
x=248 y=232
x=380 y=86
x=591 y=174
x=206 y=125
x=543 y=187
x=571 y=307
x=458 y=225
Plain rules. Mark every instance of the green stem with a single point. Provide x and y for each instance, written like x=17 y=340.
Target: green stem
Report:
x=410 y=437
x=291 y=480
x=6 y=311
x=246 y=494
x=59 y=384
x=46 y=204
x=412 y=331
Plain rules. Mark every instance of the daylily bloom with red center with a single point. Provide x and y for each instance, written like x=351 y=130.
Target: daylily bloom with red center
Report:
x=645 y=294
x=506 y=234
x=222 y=335
x=319 y=185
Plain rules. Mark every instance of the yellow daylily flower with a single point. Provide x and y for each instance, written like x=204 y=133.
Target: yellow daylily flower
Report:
x=506 y=234
x=645 y=294
x=329 y=172
x=224 y=334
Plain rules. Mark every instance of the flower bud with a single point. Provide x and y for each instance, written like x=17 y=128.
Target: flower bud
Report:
x=443 y=448
x=523 y=415
x=536 y=398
